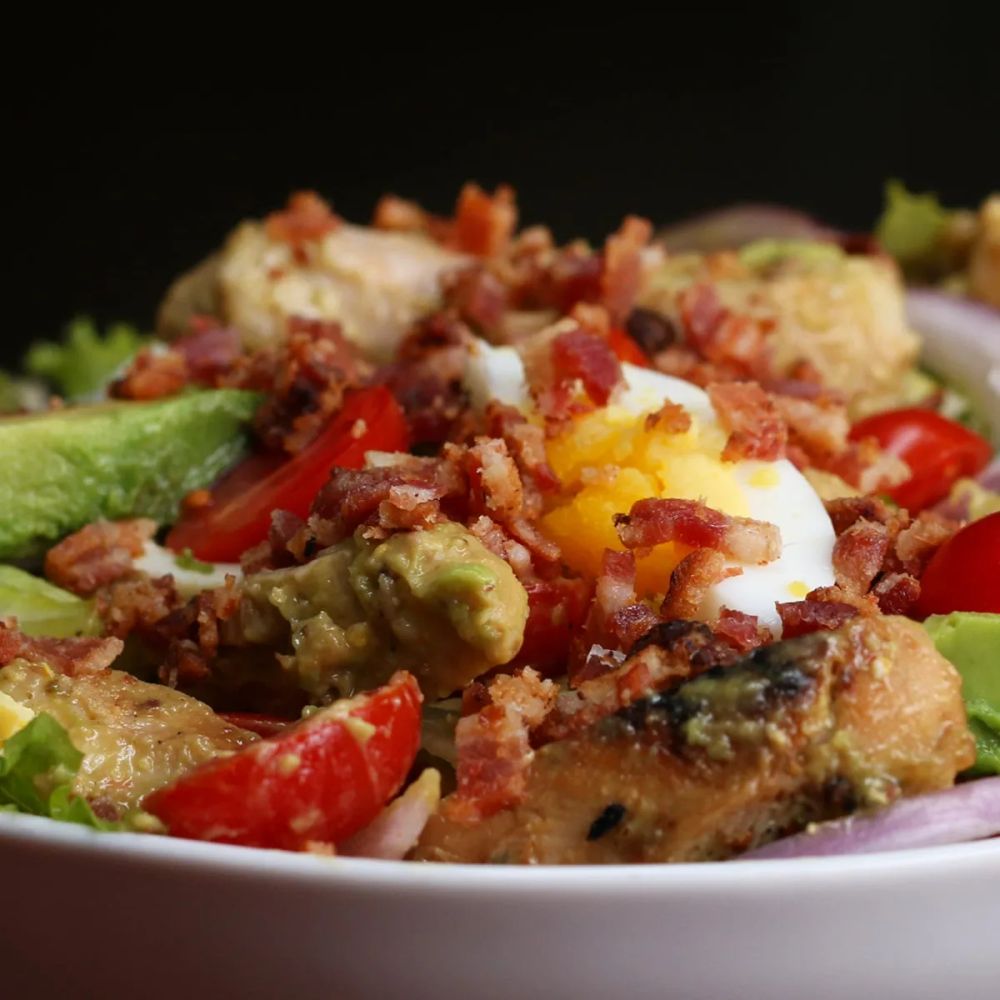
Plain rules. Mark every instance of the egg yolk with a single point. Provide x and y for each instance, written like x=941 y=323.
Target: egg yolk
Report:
x=607 y=460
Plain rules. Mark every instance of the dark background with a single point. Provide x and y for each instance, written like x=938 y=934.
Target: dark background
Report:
x=134 y=165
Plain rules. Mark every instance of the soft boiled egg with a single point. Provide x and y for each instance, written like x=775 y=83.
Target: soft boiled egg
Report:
x=607 y=460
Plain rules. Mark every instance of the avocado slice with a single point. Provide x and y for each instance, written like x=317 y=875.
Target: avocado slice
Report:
x=65 y=468
x=971 y=641
x=435 y=602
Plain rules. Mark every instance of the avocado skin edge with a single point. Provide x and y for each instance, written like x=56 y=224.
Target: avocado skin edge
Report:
x=63 y=469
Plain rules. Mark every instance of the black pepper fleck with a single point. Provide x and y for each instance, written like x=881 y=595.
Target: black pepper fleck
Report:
x=610 y=817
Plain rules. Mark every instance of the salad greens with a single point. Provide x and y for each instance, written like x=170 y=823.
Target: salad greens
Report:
x=37 y=767
x=911 y=224
x=44 y=609
x=84 y=362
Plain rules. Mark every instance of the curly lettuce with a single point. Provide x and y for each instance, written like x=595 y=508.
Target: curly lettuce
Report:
x=37 y=767
x=83 y=363
x=43 y=609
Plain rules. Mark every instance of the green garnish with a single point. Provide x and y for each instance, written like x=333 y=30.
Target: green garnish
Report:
x=186 y=559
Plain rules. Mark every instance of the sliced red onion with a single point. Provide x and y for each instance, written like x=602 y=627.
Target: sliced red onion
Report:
x=961 y=342
x=989 y=478
x=396 y=830
x=966 y=812
x=735 y=226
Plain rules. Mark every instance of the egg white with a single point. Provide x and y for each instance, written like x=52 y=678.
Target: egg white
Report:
x=773 y=491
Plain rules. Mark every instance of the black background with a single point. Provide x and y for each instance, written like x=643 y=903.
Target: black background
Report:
x=132 y=164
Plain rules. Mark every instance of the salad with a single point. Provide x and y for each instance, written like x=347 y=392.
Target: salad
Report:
x=437 y=539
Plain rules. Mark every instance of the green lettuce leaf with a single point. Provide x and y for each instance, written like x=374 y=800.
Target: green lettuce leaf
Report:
x=43 y=609
x=984 y=721
x=37 y=768
x=911 y=224
x=84 y=362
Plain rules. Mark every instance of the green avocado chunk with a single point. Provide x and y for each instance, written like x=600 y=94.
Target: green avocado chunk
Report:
x=971 y=641
x=436 y=602
x=65 y=468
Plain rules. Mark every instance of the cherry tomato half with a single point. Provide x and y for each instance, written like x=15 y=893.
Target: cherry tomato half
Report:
x=321 y=780
x=938 y=451
x=964 y=574
x=239 y=515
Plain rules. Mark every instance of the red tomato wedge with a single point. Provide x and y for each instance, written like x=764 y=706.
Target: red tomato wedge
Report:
x=626 y=348
x=938 y=451
x=964 y=574
x=321 y=780
x=239 y=515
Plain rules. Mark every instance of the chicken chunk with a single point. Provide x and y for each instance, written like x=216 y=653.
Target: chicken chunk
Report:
x=841 y=314
x=375 y=284
x=134 y=736
x=798 y=731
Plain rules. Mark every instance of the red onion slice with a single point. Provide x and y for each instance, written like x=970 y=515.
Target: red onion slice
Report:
x=735 y=226
x=397 y=828
x=966 y=812
x=961 y=342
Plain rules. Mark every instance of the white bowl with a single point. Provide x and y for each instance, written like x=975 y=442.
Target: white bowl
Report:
x=92 y=915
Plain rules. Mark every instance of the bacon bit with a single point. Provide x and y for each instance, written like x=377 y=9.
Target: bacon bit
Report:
x=556 y=611
x=152 y=376
x=719 y=336
x=916 y=543
x=493 y=478
x=621 y=266
x=72 y=657
x=496 y=539
x=477 y=296
x=97 y=554
x=526 y=442
x=865 y=466
x=654 y=521
x=136 y=603
x=484 y=223
x=671 y=418
x=616 y=618
x=589 y=358
x=845 y=511
x=406 y=494
x=197 y=500
x=306 y=220
x=748 y=413
x=897 y=593
x=690 y=581
x=209 y=350
x=741 y=630
x=802 y=617
x=396 y=214
x=858 y=554
x=818 y=425
x=494 y=748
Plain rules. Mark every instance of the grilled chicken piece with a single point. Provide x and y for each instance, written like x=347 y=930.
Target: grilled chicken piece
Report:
x=134 y=736
x=801 y=730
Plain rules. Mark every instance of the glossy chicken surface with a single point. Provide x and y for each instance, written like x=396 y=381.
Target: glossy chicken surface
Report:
x=795 y=732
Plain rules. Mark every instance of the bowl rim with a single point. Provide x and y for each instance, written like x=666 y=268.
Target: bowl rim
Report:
x=195 y=857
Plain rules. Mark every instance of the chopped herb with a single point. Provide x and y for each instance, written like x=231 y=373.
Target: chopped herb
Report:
x=186 y=560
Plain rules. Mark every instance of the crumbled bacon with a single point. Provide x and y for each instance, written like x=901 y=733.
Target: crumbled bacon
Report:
x=616 y=620
x=97 y=554
x=654 y=521
x=306 y=219
x=916 y=543
x=152 y=375
x=578 y=355
x=526 y=442
x=478 y=297
x=858 y=555
x=403 y=495
x=500 y=543
x=621 y=266
x=305 y=378
x=719 y=336
x=671 y=418
x=691 y=580
x=73 y=656
x=819 y=425
x=484 y=223
x=810 y=615
x=897 y=593
x=845 y=511
x=209 y=350
x=136 y=603
x=755 y=428
x=741 y=630
x=494 y=746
